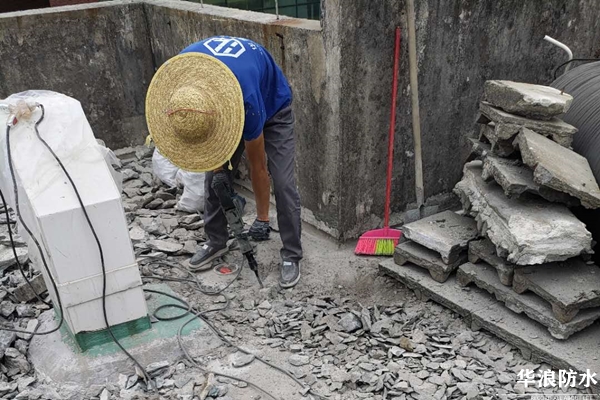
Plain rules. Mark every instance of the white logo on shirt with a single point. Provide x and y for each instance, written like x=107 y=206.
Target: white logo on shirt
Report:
x=225 y=47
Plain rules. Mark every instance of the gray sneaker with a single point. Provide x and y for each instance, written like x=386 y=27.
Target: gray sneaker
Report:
x=201 y=261
x=290 y=274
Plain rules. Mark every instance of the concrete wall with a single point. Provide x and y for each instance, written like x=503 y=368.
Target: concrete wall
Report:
x=97 y=54
x=105 y=55
x=461 y=43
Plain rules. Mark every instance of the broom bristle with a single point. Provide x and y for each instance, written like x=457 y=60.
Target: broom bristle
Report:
x=376 y=247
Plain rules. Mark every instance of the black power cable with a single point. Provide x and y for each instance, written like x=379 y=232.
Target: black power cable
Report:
x=35 y=241
x=573 y=60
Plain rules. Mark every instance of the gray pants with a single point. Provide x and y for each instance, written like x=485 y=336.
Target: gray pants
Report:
x=280 y=147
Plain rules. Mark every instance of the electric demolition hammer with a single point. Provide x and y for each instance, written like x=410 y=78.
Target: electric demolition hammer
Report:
x=222 y=188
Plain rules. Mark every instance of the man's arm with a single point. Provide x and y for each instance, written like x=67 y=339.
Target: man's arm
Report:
x=255 y=151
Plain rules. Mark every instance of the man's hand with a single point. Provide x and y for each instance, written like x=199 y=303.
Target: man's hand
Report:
x=255 y=151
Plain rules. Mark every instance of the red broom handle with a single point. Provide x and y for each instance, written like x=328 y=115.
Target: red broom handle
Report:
x=388 y=189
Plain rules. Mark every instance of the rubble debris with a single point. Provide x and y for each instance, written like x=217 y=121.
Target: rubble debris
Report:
x=7 y=257
x=23 y=293
x=414 y=253
x=165 y=246
x=446 y=233
x=524 y=232
x=485 y=250
x=536 y=308
x=242 y=359
x=6 y=340
x=484 y=312
x=479 y=150
x=568 y=286
x=501 y=147
x=559 y=168
x=527 y=100
x=508 y=125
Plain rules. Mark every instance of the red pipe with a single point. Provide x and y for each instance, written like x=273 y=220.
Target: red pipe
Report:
x=388 y=189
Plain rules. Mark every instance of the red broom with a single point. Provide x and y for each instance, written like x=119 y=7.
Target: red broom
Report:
x=382 y=242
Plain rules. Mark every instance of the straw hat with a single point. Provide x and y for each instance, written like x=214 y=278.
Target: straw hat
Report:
x=195 y=112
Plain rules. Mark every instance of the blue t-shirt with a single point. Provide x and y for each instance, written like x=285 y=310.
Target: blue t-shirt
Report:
x=265 y=88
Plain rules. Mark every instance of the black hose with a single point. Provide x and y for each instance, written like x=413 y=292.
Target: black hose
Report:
x=583 y=83
x=35 y=241
x=571 y=61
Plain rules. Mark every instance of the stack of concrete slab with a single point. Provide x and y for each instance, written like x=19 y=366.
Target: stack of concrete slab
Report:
x=437 y=243
x=519 y=183
x=522 y=242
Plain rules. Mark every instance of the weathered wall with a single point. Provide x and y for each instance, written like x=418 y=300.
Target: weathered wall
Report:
x=97 y=54
x=297 y=46
x=461 y=43
x=105 y=55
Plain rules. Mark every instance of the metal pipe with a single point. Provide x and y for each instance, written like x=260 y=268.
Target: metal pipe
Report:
x=277 y=8
x=562 y=46
x=414 y=91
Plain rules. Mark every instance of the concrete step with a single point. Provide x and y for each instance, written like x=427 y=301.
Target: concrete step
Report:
x=482 y=311
x=485 y=277
x=568 y=286
x=446 y=233
x=412 y=252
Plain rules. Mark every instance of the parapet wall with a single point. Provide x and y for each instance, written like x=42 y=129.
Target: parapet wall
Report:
x=105 y=54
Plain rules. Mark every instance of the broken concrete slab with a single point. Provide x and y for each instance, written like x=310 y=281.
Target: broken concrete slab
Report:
x=23 y=292
x=479 y=149
x=526 y=232
x=7 y=256
x=501 y=147
x=525 y=99
x=482 y=311
x=484 y=277
x=446 y=233
x=568 y=286
x=164 y=246
x=486 y=251
x=516 y=179
x=414 y=253
x=559 y=168
x=508 y=125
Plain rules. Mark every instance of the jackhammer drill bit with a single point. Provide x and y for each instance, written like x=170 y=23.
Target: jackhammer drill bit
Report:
x=222 y=188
